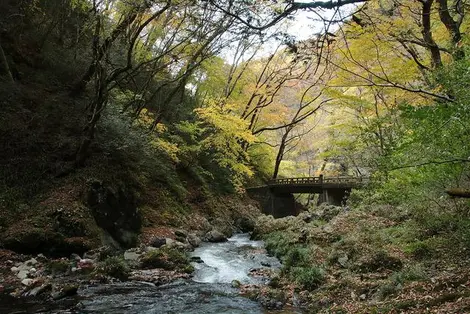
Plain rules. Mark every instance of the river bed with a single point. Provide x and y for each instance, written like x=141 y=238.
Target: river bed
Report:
x=209 y=291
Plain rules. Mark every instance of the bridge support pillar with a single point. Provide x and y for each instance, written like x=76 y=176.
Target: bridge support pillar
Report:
x=334 y=196
x=276 y=204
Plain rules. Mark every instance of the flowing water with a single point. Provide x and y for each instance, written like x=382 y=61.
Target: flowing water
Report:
x=210 y=290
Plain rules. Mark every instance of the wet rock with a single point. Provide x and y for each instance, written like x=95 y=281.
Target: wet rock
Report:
x=157 y=276
x=215 y=236
x=196 y=259
x=38 y=290
x=236 y=284
x=66 y=291
x=158 y=242
x=271 y=303
x=194 y=240
x=265 y=264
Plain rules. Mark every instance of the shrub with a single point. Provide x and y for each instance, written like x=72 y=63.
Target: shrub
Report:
x=377 y=261
x=420 y=249
x=308 y=278
x=115 y=267
x=167 y=258
x=296 y=256
x=410 y=273
x=277 y=244
x=388 y=289
x=58 y=266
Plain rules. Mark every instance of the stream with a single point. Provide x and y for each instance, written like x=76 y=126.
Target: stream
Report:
x=209 y=291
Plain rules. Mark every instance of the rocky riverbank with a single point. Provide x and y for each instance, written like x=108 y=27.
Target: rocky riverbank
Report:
x=34 y=283
x=363 y=261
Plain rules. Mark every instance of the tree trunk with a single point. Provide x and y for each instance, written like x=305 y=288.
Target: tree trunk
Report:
x=427 y=34
x=96 y=108
x=4 y=64
x=452 y=27
x=280 y=153
x=101 y=50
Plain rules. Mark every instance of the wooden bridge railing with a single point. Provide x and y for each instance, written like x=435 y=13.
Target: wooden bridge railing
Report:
x=316 y=180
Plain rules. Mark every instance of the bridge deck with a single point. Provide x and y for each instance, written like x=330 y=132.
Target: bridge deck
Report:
x=317 y=181
x=313 y=184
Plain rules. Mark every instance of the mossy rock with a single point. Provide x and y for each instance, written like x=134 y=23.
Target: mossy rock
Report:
x=59 y=266
x=114 y=266
x=23 y=238
x=167 y=258
x=380 y=260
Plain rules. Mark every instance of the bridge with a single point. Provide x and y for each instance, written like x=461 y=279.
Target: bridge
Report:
x=276 y=197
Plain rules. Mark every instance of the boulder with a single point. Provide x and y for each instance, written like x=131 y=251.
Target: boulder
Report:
x=27 y=281
x=114 y=209
x=194 y=240
x=31 y=262
x=223 y=226
x=131 y=255
x=179 y=245
x=157 y=242
x=66 y=291
x=181 y=239
x=215 y=236
x=196 y=259
x=38 y=290
x=181 y=233
x=22 y=274
x=245 y=224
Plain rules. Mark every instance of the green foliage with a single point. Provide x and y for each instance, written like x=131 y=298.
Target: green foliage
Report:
x=414 y=272
x=58 y=266
x=167 y=258
x=224 y=139
x=277 y=244
x=309 y=278
x=114 y=266
x=296 y=261
x=296 y=256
